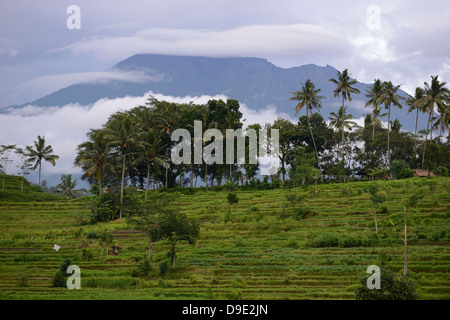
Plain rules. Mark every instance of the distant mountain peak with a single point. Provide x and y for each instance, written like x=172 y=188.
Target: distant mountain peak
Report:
x=254 y=81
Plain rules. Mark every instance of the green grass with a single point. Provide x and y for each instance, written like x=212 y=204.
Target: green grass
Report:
x=11 y=191
x=245 y=255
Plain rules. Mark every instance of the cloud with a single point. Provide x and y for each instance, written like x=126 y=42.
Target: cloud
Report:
x=46 y=84
x=275 y=42
x=8 y=48
x=66 y=127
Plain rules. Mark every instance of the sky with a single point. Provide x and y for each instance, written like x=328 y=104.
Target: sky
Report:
x=40 y=52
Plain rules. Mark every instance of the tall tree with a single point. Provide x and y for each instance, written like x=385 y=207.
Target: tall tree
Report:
x=5 y=152
x=435 y=93
x=389 y=97
x=344 y=86
x=166 y=115
x=67 y=185
x=92 y=157
x=286 y=130
x=153 y=153
x=121 y=132
x=413 y=104
x=309 y=98
x=342 y=121
x=373 y=94
x=24 y=165
x=41 y=152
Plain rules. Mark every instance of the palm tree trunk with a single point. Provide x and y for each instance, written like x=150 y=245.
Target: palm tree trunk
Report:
x=206 y=176
x=415 y=131
x=148 y=181
x=167 y=173
x=426 y=138
x=121 y=187
x=314 y=142
x=149 y=247
x=389 y=131
x=39 y=174
x=375 y=218
x=373 y=131
x=405 y=266
x=342 y=153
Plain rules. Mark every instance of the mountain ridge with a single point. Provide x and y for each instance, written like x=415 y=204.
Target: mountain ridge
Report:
x=254 y=81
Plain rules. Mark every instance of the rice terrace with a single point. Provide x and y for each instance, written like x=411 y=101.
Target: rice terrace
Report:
x=213 y=158
x=266 y=253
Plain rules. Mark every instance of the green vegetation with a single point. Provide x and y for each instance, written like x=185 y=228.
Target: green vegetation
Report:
x=258 y=254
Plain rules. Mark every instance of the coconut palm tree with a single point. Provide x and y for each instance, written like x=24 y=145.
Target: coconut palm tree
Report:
x=41 y=152
x=373 y=93
x=206 y=124
x=121 y=132
x=166 y=114
x=412 y=102
x=152 y=153
x=442 y=120
x=434 y=93
x=344 y=86
x=93 y=155
x=389 y=97
x=342 y=121
x=309 y=98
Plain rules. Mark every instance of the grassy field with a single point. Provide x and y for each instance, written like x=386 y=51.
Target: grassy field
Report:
x=245 y=255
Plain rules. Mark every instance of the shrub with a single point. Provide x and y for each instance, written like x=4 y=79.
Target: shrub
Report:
x=92 y=235
x=163 y=268
x=87 y=254
x=400 y=170
x=59 y=280
x=232 y=198
x=441 y=171
x=301 y=213
x=393 y=287
x=144 y=268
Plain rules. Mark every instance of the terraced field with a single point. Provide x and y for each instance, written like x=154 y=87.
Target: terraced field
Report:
x=245 y=255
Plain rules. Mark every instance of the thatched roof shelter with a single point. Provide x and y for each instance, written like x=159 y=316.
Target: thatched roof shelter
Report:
x=422 y=173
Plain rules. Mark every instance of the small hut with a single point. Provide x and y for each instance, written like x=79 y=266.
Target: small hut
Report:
x=422 y=173
x=115 y=250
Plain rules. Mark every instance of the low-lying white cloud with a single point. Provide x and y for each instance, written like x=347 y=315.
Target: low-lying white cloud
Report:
x=47 y=84
x=64 y=128
x=279 y=43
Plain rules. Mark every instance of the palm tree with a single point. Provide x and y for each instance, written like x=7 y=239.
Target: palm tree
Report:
x=412 y=102
x=205 y=126
x=437 y=94
x=389 y=97
x=344 y=86
x=309 y=98
x=67 y=185
x=121 y=132
x=166 y=114
x=93 y=157
x=442 y=120
x=39 y=153
x=341 y=121
x=376 y=121
x=373 y=94
x=151 y=145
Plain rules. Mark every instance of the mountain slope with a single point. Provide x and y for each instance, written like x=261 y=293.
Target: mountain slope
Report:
x=253 y=81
